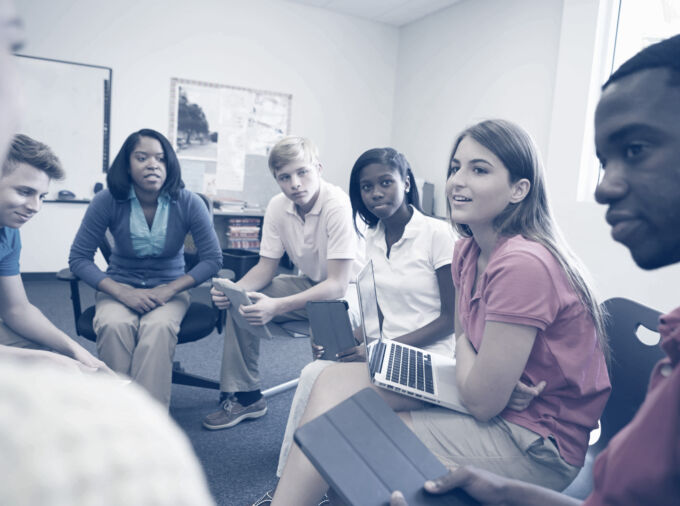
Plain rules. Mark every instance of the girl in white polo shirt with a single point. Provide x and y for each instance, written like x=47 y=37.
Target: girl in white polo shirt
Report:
x=411 y=256
x=411 y=252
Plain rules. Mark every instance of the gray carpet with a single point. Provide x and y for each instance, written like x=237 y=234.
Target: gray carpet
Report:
x=240 y=462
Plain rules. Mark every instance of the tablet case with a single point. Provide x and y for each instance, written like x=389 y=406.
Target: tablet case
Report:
x=237 y=297
x=330 y=325
x=365 y=452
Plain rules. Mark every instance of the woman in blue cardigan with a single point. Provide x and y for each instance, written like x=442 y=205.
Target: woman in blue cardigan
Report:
x=143 y=295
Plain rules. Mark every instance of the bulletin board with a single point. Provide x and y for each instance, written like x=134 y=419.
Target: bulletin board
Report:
x=67 y=105
x=223 y=134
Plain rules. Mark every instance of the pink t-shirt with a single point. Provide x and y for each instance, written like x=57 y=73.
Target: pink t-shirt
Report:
x=641 y=464
x=524 y=284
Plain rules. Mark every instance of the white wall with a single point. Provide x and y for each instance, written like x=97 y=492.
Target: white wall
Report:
x=475 y=60
x=358 y=84
x=530 y=61
x=339 y=69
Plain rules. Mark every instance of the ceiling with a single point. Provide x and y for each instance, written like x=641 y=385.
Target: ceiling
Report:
x=391 y=12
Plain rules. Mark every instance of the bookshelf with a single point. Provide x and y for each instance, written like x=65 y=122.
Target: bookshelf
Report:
x=239 y=229
x=244 y=232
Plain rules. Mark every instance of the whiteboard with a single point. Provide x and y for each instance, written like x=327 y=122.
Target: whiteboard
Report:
x=67 y=106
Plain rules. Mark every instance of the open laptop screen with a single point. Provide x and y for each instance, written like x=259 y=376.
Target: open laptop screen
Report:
x=368 y=303
x=370 y=319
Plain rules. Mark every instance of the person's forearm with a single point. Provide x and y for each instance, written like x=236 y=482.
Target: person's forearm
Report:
x=477 y=404
x=182 y=283
x=329 y=289
x=256 y=278
x=13 y=351
x=465 y=359
x=437 y=329
x=31 y=324
x=519 y=493
x=113 y=288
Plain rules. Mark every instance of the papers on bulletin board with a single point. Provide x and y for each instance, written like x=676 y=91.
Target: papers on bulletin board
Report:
x=214 y=127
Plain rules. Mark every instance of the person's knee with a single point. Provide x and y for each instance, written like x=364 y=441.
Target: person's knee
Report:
x=312 y=370
x=157 y=334
x=336 y=383
x=160 y=326
x=331 y=382
x=107 y=328
x=326 y=377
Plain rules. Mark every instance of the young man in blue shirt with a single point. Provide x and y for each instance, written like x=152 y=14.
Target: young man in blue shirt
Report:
x=24 y=331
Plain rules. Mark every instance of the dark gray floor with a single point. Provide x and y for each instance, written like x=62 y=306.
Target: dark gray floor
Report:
x=239 y=463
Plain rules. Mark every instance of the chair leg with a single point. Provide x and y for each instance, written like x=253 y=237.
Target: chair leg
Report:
x=283 y=387
x=179 y=377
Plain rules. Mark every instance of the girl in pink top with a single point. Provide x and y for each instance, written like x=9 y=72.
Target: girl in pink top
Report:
x=523 y=308
x=526 y=321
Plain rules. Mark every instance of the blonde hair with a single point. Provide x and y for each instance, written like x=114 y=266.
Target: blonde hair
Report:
x=291 y=149
x=532 y=217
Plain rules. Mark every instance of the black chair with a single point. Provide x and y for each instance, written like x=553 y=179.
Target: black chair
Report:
x=631 y=364
x=199 y=321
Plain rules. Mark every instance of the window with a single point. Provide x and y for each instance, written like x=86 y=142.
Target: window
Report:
x=626 y=27
x=641 y=23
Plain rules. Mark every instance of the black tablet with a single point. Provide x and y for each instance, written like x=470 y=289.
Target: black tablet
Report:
x=330 y=326
x=365 y=452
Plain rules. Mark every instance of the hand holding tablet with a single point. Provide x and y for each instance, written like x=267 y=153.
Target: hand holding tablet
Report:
x=238 y=297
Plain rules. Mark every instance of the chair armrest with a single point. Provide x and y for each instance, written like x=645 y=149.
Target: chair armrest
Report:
x=66 y=275
x=226 y=273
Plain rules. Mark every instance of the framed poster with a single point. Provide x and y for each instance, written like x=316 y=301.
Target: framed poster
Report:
x=215 y=128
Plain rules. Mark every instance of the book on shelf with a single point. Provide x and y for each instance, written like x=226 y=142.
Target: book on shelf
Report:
x=249 y=244
x=245 y=221
x=225 y=204
x=243 y=232
x=240 y=231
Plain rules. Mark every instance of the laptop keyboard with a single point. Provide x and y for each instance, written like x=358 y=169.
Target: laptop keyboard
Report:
x=411 y=368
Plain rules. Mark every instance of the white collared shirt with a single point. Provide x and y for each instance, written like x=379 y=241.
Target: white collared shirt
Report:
x=406 y=282
x=326 y=233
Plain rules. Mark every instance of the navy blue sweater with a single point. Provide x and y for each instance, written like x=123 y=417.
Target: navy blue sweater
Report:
x=187 y=213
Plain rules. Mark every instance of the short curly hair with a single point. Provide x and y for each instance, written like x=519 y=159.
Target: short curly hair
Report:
x=663 y=54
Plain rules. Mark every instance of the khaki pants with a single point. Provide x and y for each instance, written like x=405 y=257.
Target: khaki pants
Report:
x=141 y=346
x=10 y=338
x=498 y=446
x=240 y=369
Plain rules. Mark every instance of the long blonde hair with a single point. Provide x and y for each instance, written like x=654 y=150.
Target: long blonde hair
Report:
x=531 y=217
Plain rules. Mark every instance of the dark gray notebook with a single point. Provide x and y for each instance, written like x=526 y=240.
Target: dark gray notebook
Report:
x=364 y=452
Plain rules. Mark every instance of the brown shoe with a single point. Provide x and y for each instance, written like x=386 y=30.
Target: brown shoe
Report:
x=232 y=413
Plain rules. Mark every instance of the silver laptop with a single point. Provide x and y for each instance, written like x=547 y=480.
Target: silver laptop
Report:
x=399 y=367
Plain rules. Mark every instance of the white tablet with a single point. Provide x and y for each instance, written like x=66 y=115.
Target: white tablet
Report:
x=238 y=297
